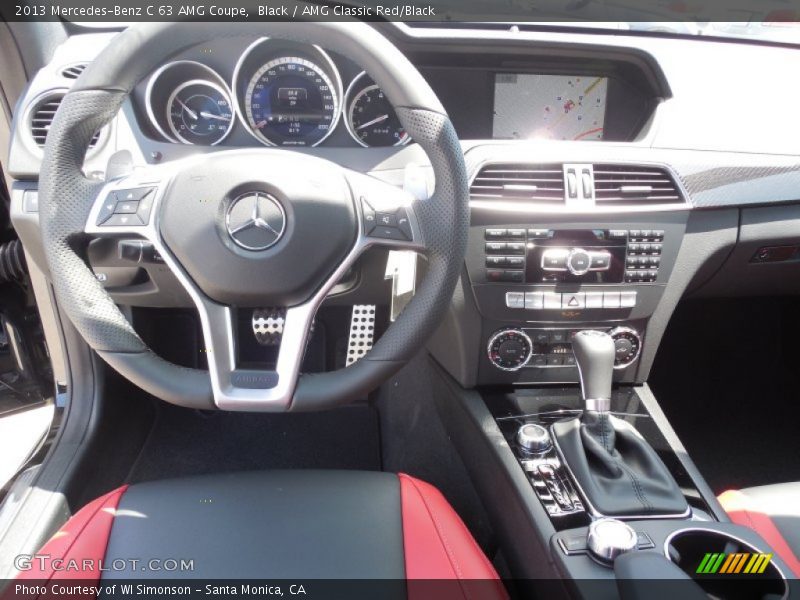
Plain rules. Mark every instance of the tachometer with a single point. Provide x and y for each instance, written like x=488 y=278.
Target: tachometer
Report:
x=291 y=101
x=199 y=112
x=371 y=119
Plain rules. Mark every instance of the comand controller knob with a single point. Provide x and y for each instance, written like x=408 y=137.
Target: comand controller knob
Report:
x=534 y=439
x=609 y=538
x=510 y=349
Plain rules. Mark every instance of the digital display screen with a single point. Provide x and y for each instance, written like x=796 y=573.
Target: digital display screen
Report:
x=550 y=107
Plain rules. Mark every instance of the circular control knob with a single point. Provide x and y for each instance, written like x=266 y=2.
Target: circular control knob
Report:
x=608 y=538
x=510 y=349
x=578 y=261
x=627 y=346
x=534 y=438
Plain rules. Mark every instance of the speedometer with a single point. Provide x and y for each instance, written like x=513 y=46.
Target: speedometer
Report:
x=291 y=101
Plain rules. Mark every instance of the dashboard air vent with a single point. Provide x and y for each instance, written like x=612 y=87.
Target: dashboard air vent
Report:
x=627 y=185
x=42 y=117
x=519 y=181
x=73 y=71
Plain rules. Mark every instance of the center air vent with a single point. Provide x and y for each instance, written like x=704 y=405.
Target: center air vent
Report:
x=73 y=71
x=629 y=185
x=42 y=118
x=520 y=181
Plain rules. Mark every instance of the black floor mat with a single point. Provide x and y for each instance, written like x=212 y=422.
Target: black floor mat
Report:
x=187 y=442
x=727 y=376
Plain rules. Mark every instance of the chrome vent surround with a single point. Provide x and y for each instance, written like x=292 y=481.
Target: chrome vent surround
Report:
x=578 y=186
x=634 y=185
x=73 y=71
x=540 y=183
x=42 y=118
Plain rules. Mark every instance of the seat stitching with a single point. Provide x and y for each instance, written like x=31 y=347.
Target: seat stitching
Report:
x=442 y=538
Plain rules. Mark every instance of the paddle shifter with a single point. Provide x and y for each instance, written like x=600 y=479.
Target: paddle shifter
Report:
x=618 y=472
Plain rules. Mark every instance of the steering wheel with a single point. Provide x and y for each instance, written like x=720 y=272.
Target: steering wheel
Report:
x=250 y=227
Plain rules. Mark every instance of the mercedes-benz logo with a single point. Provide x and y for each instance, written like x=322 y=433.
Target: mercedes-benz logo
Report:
x=255 y=221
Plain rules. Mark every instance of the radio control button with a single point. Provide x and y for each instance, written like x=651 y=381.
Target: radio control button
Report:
x=494 y=275
x=611 y=299
x=495 y=234
x=552 y=301
x=594 y=299
x=618 y=234
x=600 y=261
x=578 y=261
x=515 y=299
x=515 y=247
x=495 y=247
x=516 y=234
x=539 y=233
x=496 y=261
x=555 y=259
x=534 y=300
x=576 y=300
x=627 y=299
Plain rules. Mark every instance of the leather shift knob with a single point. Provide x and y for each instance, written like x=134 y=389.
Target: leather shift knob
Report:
x=594 y=355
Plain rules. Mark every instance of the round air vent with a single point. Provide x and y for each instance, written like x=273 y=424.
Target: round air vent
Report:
x=42 y=118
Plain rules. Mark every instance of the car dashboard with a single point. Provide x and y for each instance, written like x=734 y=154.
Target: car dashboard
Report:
x=610 y=175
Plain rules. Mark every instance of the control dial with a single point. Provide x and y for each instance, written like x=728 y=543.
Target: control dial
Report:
x=627 y=346
x=608 y=538
x=579 y=261
x=510 y=349
x=533 y=438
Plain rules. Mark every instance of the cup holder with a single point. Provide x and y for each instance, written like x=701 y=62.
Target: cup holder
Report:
x=717 y=562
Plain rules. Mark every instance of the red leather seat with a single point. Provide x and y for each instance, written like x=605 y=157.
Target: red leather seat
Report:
x=273 y=525
x=774 y=512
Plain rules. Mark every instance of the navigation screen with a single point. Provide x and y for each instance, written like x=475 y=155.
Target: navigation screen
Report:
x=555 y=107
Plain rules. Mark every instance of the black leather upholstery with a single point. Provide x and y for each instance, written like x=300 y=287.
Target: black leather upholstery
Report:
x=264 y=525
x=618 y=471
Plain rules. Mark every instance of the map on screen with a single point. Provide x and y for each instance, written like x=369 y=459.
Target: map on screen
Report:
x=556 y=107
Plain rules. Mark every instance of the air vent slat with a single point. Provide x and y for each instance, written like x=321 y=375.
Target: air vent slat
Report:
x=73 y=71
x=631 y=185
x=42 y=118
x=524 y=182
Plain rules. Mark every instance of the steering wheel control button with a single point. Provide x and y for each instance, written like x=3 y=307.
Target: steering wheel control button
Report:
x=255 y=221
x=534 y=439
x=369 y=216
x=118 y=220
x=610 y=538
x=388 y=225
x=126 y=207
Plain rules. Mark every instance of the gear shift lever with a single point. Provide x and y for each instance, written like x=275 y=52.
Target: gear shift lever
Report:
x=617 y=471
x=594 y=354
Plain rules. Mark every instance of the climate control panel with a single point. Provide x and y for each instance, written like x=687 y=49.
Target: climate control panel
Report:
x=512 y=349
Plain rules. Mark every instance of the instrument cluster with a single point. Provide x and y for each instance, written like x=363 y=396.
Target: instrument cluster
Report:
x=283 y=93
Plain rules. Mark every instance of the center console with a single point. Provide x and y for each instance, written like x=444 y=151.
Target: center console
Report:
x=537 y=283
